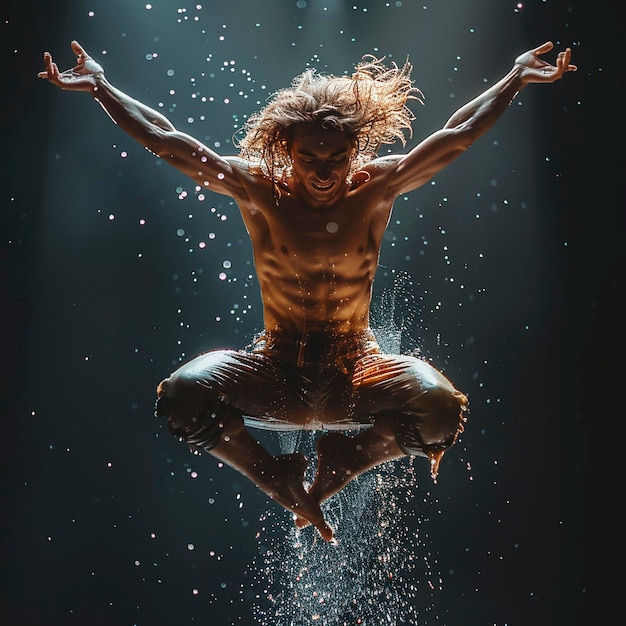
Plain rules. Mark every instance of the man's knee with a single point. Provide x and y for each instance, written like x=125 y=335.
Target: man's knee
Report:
x=194 y=413
x=434 y=423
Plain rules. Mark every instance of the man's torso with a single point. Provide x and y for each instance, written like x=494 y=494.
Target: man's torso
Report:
x=315 y=265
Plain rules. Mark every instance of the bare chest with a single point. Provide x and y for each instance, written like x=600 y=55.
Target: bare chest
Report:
x=347 y=226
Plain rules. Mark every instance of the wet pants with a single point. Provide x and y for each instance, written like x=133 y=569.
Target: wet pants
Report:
x=316 y=381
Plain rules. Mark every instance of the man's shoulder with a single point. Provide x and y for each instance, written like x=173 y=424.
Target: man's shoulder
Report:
x=248 y=173
x=256 y=188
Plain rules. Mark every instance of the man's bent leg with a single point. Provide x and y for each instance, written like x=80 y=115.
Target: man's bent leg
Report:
x=342 y=458
x=429 y=422
x=197 y=414
x=429 y=410
x=280 y=477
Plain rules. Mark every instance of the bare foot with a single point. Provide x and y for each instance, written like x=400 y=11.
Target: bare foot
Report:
x=288 y=490
x=330 y=475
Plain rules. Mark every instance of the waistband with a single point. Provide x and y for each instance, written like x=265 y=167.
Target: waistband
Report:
x=317 y=346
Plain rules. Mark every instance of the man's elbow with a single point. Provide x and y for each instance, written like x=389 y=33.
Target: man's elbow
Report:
x=159 y=142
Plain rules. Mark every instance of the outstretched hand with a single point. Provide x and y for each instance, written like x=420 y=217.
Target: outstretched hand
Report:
x=537 y=70
x=80 y=78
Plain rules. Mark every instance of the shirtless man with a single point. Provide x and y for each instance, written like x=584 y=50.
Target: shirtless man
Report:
x=315 y=200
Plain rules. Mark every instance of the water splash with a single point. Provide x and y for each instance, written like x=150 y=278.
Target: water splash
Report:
x=379 y=571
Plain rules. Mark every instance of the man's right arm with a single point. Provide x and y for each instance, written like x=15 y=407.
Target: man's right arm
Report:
x=472 y=120
x=147 y=126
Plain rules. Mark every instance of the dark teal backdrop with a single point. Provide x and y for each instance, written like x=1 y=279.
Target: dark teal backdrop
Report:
x=506 y=270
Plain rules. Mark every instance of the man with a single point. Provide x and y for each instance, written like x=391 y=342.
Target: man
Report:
x=315 y=200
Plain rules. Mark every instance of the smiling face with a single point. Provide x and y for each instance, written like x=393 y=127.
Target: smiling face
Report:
x=321 y=162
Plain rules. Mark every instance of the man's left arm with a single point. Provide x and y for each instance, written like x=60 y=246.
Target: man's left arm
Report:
x=474 y=119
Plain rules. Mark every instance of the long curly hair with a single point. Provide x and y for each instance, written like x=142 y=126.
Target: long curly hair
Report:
x=370 y=106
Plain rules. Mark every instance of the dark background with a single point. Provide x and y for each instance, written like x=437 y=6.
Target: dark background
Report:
x=505 y=272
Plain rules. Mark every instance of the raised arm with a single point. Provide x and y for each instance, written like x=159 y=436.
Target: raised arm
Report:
x=473 y=120
x=149 y=127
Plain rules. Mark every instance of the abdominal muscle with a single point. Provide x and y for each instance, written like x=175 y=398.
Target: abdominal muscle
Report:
x=304 y=293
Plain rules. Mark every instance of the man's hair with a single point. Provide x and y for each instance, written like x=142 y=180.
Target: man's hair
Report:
x=369 y=106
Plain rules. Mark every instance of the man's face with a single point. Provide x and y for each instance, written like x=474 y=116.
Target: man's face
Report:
x=321 y=162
